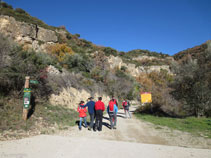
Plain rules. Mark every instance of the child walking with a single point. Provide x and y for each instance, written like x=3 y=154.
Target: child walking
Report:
x=126 y=105
x=82 y=114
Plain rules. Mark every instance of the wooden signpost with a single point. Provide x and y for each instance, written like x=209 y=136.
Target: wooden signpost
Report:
x=27 y=96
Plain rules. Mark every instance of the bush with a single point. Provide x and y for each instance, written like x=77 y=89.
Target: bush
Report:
x=192 y=84
x=78 y=63
x=23 y=63
x=60 y=51
x=110 y=51
x=5 y=5
x=21 y=11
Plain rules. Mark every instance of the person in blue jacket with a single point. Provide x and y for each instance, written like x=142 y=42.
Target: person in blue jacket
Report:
x=112 y=110
x=91 y=109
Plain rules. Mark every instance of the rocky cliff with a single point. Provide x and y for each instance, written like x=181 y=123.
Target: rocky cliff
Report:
x=28 y=35
x=117 y=62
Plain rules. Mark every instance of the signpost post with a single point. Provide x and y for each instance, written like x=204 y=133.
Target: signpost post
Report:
x=26 y=98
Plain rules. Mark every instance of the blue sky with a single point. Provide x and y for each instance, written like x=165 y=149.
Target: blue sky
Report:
x=166 y=26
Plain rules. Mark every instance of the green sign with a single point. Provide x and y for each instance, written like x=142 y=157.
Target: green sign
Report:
x=26 y=97
x=34 y=81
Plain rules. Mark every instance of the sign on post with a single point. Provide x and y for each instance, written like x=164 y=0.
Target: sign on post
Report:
x=26 y=97
x=146 y=97
x=33 y=81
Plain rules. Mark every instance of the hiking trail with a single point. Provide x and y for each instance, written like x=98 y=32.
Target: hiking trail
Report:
x=132 y=138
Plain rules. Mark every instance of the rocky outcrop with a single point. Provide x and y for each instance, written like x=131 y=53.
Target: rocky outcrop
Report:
x=70 y=96
x=117 y=62
x=46 y=35
x=28 y=35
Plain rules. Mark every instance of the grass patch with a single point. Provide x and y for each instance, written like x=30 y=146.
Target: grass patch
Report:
x=44 y=117
x=195 y=126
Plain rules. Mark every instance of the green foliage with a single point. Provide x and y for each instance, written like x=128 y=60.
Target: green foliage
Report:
x=21 y=63
x=192 y=84
x=85 y=43
x=21 y=11
x=5 y=5
x=78 y=63
x=123 y=68
x=77 y=35
x=140 y=52
x=121 y=74
x=110 y=51
x=196 y=126
x=68 y=36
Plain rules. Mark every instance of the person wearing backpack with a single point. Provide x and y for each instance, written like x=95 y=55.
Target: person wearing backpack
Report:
x=82 y=114
x=99 y=108
x=112 y=112
x=91 y=109
x=126 y=105
x=115 y=101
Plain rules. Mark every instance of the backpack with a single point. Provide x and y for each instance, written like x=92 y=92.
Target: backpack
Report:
x=125 y=103
x=115 y=102
x=111 y=106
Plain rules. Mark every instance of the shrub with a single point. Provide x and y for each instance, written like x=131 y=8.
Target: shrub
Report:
x=60 y=51
x=77 y=35
x=110 y=51
x=78 y=63
x=21 y=11
x=123 y=68
x=5 y=5
x=192 y=84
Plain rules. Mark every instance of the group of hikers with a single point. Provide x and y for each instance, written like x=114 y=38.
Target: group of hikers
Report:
x=96 y=109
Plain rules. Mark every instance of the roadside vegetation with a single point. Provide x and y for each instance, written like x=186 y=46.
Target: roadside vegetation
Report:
x=43 y=118
x=196 y=126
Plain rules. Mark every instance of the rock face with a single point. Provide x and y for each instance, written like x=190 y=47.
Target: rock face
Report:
x=70 y=96
x=46 y=35
x=116 y=62
x=28 y=35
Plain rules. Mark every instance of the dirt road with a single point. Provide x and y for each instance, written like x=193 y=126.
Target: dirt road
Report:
x=132 y=138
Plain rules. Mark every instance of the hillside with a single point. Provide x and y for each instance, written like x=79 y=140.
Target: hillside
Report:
x=70 y=69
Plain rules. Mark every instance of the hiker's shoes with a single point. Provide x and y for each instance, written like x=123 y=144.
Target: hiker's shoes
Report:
x=114 y=127
x=89 y=129
x=79 y=128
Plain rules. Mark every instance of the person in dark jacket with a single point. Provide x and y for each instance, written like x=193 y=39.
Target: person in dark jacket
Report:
x=91 y=109
x=99 y=108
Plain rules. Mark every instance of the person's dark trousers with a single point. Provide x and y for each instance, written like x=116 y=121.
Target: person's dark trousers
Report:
x=99 y=119
x=92 y=116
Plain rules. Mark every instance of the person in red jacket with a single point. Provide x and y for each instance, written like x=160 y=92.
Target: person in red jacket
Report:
x=99 y=108
x=82 y=114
